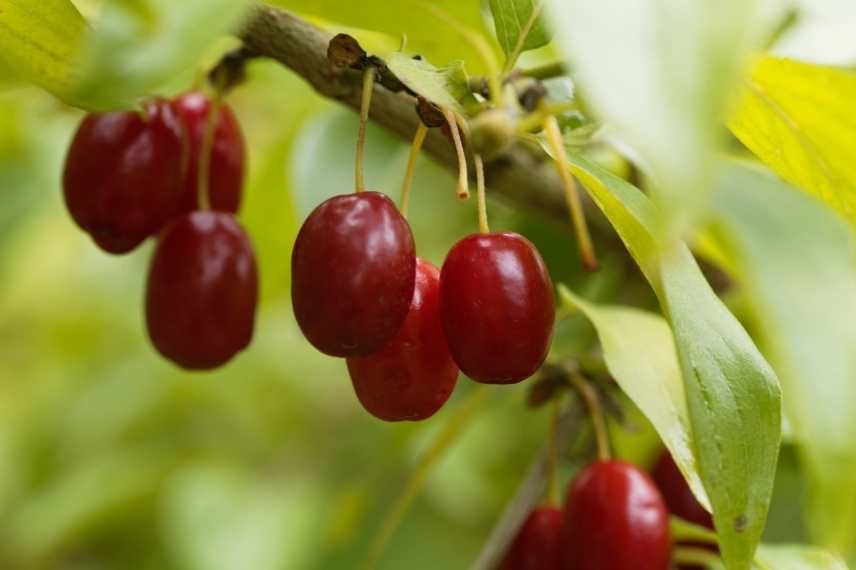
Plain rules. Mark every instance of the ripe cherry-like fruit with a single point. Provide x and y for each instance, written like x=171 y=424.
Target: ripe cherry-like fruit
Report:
x=123 y=173
x=202 y=291
x=413 y=375
x=537 y=544
x=677 y=494
x=497 y=307
x=353 y=269
x=226 y=172
x=615 y=519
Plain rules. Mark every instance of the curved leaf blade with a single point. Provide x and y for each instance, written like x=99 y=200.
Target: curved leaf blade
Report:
x=511 y=19
x=445 y=86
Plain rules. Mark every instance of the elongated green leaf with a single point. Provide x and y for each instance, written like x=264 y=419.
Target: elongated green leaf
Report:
x=798 y=118
x=519 y=25
x=795 y=259
x=798 y=557
x=731 y=390
x=445 y=86
x=40 y=40
x=661 y=73
x=136 y=47
x=640 y=353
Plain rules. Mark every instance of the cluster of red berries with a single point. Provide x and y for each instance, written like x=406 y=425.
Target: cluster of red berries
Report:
x=132 y=175
x=405 y=327
x=615 y=517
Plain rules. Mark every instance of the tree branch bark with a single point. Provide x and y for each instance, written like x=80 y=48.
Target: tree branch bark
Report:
x=521 y=175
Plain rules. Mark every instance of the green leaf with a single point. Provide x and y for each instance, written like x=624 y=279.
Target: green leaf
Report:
x=731 y=390
x=795 y=260
x=446 y=86
x=519 y=25
x=427 y=32
x=40 y=41
x=661 y=76
x=797 y=557
x=640 y=353
x=139 y=45
x=798 y=119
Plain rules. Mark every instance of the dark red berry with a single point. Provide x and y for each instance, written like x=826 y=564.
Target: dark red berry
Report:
x=226 y=173
x=413 y=375
x=677 y=494
x=123 y=172
x=202 y=290
x=497 y=307
x=615 y=519
x=352 y=273
x=537 y=544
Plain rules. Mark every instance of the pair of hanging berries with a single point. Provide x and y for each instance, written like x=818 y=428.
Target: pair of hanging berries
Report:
x=614 y=518
x=132 y=175
x=405 y=327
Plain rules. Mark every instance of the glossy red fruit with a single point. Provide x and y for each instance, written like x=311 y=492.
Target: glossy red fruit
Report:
x=677 y=494
x=413 y=375
x=353 y=269
x=497 y=307
x=226 y=173
x=537 y=545
x=615 y=519
x=123 y=173
x=202 y=290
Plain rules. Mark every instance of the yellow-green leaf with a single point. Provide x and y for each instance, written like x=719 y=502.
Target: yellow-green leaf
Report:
x=445 y=86
x=798 y=119
x=40 y=40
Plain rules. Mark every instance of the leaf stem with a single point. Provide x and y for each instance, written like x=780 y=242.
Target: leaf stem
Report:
x=553 y=454
x=463 y=188
x=696 y=556
x=480 y=194
x=521 y=39
x=685 y=531
x=598 y=421
x=546 y=71
x=453 y=428
x=415 y=147
x=572 y=195
x=365 y=105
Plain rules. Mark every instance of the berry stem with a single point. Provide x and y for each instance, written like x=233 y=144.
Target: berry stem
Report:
x=450 y=432
x=205 y=151
x=572 y=196
x=463 y=187
x=415 y=147
x=521 y=38
x=480 y=194
x=598 y=421
x=685 y=531
x=553 y=455
x=696 y=556
x=365 y=105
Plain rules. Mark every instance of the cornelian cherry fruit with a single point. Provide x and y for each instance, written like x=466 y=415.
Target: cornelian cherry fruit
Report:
x=202 y=291
x=226 y=172
x=412 y=375
x=353 y=270
x=123 y=172
x=677 y=494
x=615 y=519
x=537 y=544
x=497 y=307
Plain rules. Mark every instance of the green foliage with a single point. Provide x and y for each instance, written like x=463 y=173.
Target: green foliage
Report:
x=795 y=259
x=731 y=390
x=798 y=119
x=797 y=557
x=640 y=353
x=519 y=25
x=446 y=86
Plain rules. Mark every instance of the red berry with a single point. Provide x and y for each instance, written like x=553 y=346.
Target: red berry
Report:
x=353 y=269
x=615 y=519
x=677 y=494
x=122 y=179
x=537 y=545
x=413 y=375
x=497 y=307
x=226 y=174
x=202 y=290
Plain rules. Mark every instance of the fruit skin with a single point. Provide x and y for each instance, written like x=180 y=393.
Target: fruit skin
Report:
x=497 y=307
x=226 y=174
x=353 y=270
x=202 y=291
x=412 y=375
x=677 y=494
x=122 y=177
x=615 y=519
x=537 y=544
